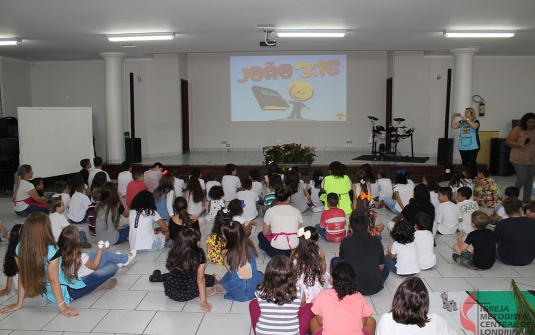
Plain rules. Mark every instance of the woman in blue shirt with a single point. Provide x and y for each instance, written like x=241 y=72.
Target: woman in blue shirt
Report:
x=468 y=139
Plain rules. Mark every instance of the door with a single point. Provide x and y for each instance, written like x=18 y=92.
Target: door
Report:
x=185 y=115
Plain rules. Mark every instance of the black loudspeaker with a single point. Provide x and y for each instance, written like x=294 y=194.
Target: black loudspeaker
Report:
x=133 y=149
x=445 y=151
x=499 y=164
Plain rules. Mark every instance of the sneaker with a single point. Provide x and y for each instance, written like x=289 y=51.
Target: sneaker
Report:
x=260 y=246
x=156 y=276
x=86 y=245
x=107 y=285
x=131 y=256
x=456 y=258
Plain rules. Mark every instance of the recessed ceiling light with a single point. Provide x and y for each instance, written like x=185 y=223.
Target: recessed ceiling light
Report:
x=310 y=33
x=128 y=45
x=10 y=41
x=479 y=33
x=140 y=37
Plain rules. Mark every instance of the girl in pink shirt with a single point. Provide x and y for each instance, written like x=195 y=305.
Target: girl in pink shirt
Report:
x=342 y=309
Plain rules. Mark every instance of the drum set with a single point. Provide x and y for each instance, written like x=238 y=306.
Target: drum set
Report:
x=396 y=132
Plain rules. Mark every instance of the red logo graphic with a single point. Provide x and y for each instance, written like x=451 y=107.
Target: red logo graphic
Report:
x=465 y=307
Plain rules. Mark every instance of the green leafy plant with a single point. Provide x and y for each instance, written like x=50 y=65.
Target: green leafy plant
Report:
x=526 y=312
x=289 y=154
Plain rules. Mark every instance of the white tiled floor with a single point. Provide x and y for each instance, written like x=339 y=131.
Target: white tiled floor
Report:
x=137 y=306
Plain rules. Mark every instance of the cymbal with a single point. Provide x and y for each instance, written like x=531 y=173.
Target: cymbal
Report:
x=373 y=118
x=398 y=119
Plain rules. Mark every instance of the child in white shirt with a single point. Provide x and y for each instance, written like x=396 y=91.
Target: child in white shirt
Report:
x=385 y=188
x=179 y=184
x=56 y=207
x=124 y=177
x=448 y=214
x=249 y=200
x=400 y=258
x=211 y=183
x=61 y=189
x=79 y=203
x=459 y=179
x=423 y=239
x=258 y=187
x=499 y=212
x=230 y=183
x=466 y=206
x=196 y=172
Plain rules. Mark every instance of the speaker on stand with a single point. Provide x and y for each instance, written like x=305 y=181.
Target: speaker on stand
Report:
x=445 y=145
x=132 y=144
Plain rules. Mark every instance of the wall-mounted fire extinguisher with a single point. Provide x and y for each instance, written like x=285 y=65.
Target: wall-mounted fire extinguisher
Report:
x=479 y=99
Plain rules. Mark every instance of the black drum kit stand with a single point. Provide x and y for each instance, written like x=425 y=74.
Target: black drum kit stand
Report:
x=397 y=132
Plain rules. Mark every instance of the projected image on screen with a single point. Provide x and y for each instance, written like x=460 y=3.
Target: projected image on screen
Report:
x=288 y=88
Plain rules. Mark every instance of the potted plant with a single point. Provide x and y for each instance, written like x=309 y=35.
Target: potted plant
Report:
x=288 y=155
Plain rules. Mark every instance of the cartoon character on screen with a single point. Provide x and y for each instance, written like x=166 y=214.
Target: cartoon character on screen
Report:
x=299 y=91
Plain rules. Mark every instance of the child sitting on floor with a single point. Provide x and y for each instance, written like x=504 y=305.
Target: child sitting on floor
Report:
x=332 y=226
x=466 y=206
x=483 y=242
x=423 y=239
x=448 y=214
x=400 y=258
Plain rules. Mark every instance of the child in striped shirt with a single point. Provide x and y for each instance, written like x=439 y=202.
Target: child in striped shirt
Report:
x=278 y=307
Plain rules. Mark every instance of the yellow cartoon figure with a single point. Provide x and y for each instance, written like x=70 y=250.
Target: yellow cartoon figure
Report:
x=300 y=91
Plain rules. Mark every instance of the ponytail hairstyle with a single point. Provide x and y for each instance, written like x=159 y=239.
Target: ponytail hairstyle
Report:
x=431 y=183
x=185 y=255
x=22 y=173
x=401 y=176
x=238 y=245
x=10 y=265
x=222 y=217
x=369 y=172
x=165 y=186
x=459 y=178
x=194 y=189
x=306 y=256
x=181 y=209
x=99 y=180
x=318 y=178
x=77 y=182
x=292 y=180
x=361 y=178
x=35 y=239
x=71 y=252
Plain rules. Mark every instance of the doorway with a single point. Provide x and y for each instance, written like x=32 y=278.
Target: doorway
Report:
x=184 y=94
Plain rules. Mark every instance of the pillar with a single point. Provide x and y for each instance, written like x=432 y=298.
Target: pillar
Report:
x=462 y=78
x=115 y=152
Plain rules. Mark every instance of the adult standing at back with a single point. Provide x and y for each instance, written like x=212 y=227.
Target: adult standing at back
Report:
x=521 y=140
x=468 y=139
x=339 y=183
x=25 y=197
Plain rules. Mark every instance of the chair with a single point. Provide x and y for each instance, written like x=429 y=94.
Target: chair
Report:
x=7 y=173
x=10 y=147
x=4 y=132
x=9 y=121
x=13 y=131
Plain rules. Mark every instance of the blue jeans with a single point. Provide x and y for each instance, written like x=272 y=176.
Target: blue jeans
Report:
x=270 y=251
x=391 y=263
x=123 y=234
x=83 y=237
x=32 y=209
x=106 y=269
x=84 y=220
x=322 y=232
x=384 y=272
x=391 y=205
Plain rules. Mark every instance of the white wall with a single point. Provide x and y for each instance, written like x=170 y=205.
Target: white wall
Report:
x=209 y=79
x=73 y=84
x=15 y=80
x=157 y=105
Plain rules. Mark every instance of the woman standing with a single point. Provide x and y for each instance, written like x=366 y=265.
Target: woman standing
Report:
x=25 y=198
x=338 y=182
x=468 y=139
x=521 y=141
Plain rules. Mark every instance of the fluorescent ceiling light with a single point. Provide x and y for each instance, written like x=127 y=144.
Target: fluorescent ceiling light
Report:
x=311 y=33
x=140 y=37
x=10 y=41
x=479 y=33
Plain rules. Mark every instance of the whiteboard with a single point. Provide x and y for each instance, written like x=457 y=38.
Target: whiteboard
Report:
x=53 y=140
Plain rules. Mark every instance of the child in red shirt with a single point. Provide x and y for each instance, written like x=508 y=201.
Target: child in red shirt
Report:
x=135 y=186
x=332 y=226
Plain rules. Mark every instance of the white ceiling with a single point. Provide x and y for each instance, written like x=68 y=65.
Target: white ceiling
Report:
x=74 y=29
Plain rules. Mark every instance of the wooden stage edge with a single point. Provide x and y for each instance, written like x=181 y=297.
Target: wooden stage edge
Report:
x=441 y=172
